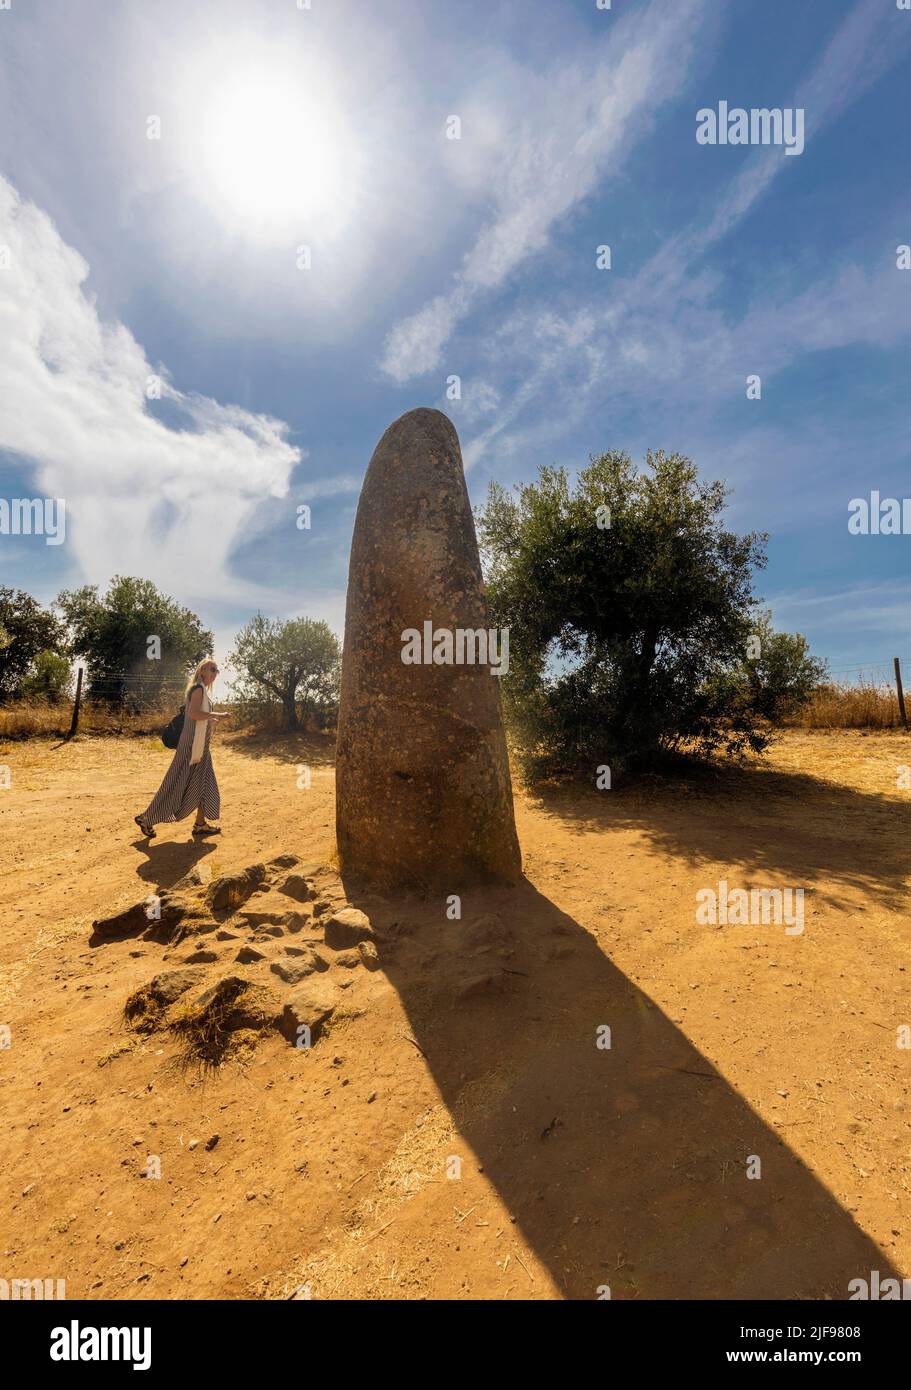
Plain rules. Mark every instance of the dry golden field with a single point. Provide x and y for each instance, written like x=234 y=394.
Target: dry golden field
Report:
x=578 y=1166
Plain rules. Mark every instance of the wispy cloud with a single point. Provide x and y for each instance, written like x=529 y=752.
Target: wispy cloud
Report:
x=673 y=303
x=868 y=620
x=573 y=127
x=865 y=46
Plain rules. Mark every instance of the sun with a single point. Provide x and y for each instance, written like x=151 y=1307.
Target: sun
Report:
x=274 y=153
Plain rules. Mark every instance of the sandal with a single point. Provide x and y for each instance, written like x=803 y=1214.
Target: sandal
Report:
x=200 y=830
x=147 y=830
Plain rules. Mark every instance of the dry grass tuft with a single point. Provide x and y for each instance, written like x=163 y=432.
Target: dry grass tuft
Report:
x=42 y=720
x=143 y=1011
x=866 y=705
x=223 y=1022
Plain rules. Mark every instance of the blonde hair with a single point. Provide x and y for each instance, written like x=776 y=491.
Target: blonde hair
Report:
x=196 y=678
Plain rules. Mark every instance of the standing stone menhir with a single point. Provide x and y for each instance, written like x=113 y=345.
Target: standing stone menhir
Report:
x=424 y=797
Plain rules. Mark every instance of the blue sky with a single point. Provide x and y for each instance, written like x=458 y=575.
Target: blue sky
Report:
x=431 y=257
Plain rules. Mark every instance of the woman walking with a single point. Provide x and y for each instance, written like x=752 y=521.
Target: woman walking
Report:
x=189 y=783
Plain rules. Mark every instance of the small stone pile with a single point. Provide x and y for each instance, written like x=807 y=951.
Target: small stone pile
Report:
x=292 y=946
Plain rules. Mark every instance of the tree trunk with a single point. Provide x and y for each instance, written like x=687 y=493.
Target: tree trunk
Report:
x=290 y=708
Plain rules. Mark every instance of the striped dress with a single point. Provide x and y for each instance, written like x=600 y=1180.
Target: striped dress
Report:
x=187 y=785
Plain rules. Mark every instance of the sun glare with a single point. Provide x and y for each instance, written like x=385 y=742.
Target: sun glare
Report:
x=275 y=156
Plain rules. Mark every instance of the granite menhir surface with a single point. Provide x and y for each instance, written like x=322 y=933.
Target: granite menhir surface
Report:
x=424 y=798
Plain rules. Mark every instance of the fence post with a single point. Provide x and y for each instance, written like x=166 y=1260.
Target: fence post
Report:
x=75 y=724
x=901 y=693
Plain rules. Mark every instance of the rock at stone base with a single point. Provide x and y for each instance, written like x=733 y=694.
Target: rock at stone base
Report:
x=248 y=955
x=171 y=910
x=346 y=928
x=368 y=954
x=230 y=891
x=293 y=971
x=223 y=991
x=145 y=1005
x=170 y=985
x=282 y=861
x=311 y=1006
x=237 y=1004
x=194 y=878
x=263 y=919
x=297 y=887
x=485 y=983
x=296 y=921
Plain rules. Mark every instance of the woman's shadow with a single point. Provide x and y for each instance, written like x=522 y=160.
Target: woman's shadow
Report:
x=167 y=862
x=625 y=1157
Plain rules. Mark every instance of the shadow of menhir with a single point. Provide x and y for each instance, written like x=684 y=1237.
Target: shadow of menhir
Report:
x=623 y=1166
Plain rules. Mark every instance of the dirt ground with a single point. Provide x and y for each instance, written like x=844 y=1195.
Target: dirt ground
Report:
x=444 y=1141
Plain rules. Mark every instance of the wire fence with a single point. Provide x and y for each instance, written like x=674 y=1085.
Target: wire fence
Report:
x=112 y=684
x=135 y=701
x=850 y=695
x=883 y=671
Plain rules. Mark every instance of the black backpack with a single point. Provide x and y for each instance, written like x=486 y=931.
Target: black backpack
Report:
x=170 y=734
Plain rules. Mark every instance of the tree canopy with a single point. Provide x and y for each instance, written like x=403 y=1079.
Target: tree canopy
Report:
x=138 y=645
x=26 y=631
x=297 y=662
x=624 y=593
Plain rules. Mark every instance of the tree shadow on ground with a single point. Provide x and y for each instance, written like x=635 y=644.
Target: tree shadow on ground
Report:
x=796 y=827
x=624 y=1166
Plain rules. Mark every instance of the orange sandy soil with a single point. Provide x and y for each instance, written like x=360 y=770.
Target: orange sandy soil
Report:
x=580 y=1167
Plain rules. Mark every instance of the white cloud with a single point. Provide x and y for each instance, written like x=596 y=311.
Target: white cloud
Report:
x=478 y=398
x=169 y=503
x=415 y=345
